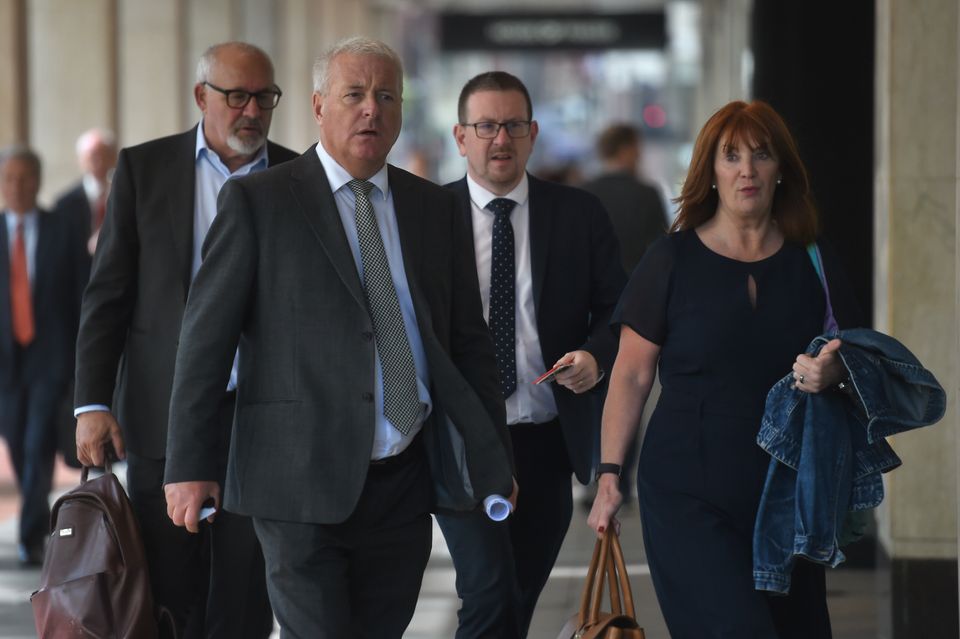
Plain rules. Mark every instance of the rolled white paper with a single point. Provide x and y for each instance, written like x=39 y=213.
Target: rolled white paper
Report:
x=497 y=507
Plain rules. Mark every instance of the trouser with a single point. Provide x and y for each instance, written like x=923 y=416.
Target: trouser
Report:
x=213 y=581
x=28 y=412
x=359 y=578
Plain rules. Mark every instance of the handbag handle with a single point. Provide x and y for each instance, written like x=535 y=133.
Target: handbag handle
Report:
x=86 y=470
x=607 y=564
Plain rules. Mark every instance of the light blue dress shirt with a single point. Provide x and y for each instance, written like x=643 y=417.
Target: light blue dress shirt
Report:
x=31 y=231
x=387 y=440
x=210 y=176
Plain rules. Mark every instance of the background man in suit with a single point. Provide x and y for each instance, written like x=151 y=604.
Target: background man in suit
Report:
x=365 y=365
x=85 y=203
x=550 y=275
x=635 y=208
x=638 y=217
x=39 y=302
x=163 y=199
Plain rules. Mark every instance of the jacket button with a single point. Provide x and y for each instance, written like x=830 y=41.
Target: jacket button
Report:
x=367 y=397
x=367 y=336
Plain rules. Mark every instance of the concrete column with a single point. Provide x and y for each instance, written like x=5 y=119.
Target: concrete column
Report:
x=207 y=23
x=152 y=86
x=71 y=81
x=956 y=337
x=306 y=29
x=726 y=63
x=13 y=72
x=915 y=297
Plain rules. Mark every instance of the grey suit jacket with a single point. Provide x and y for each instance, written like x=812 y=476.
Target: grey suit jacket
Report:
x=133 y=304
x=279 y=279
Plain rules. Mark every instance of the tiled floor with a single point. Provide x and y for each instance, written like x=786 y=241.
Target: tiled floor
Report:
x=852 y=593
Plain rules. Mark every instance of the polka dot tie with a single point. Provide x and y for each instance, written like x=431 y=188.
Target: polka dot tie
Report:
x=503 y=294
x=401 y=402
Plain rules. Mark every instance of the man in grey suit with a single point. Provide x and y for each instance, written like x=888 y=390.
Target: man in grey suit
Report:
x=162 y=200
x=368 y=392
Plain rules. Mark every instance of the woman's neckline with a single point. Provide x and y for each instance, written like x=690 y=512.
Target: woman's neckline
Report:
x=733 y=259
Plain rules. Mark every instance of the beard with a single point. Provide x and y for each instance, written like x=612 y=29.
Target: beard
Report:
x=246 y=143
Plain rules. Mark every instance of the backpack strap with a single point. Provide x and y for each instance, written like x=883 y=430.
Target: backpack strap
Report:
x=830 y=325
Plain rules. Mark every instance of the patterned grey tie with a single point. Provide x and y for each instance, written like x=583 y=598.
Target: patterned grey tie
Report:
x=503 y=277
x=401 y=402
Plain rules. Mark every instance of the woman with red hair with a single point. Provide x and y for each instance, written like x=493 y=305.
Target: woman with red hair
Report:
x=723 y=305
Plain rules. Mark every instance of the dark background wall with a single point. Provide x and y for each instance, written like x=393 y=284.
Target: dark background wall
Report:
x=814 y=63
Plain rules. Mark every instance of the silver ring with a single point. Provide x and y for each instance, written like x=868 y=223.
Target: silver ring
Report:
x=800 y=379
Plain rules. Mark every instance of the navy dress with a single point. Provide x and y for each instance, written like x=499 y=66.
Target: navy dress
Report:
x=701 y=472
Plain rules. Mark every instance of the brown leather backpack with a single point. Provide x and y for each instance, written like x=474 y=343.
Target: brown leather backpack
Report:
x=94 y=581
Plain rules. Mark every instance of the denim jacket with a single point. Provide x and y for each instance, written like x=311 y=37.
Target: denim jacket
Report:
x=827 y=452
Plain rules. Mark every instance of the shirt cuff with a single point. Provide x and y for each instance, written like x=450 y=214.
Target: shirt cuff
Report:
x=89 y=408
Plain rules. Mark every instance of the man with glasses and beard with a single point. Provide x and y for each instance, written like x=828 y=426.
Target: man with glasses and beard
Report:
x=163 y=199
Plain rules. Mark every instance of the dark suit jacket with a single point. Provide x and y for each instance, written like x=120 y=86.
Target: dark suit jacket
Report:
x=55 y=294
x=133 y=305
x=279 y=278
x=577 y=279
x=74 y=206
x=635 y=210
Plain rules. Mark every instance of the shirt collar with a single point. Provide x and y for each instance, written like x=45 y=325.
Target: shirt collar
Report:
x=338 y=176
x=481 y=196
x=91 y=187
x=29 y=219
x=202 y=150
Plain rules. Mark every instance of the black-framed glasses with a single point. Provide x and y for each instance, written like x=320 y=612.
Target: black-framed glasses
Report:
x=238 y=98
x=489 y=130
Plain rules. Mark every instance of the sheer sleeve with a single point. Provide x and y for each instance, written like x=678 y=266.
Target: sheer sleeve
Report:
x=643 y=304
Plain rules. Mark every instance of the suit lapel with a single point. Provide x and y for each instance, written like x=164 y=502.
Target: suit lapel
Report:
x=409 y=209
x=466 y=209
x=541 y=226
x=182 y=173
x=312 y=192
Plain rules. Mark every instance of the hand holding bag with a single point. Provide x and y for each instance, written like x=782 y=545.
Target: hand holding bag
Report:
x=590 y=623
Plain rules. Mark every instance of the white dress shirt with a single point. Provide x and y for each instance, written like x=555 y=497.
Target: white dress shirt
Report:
x=529 y=403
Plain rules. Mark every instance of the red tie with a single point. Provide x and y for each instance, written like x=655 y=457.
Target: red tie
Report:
x=20 y=305
x=99 y=211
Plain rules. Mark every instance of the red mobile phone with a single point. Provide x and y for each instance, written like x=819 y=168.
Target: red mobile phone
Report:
x=550 y=374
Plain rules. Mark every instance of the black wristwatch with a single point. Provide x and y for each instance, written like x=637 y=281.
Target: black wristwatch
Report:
x=608 y=468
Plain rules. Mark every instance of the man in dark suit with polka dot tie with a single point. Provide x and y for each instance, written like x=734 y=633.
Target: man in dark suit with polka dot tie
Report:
x=550 y=275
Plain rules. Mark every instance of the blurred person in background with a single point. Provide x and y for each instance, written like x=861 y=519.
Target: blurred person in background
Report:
x=39 y=304
x=636 y=212
x=85 y=203
x=725 y=307
x=635 y=208
x=162 y=202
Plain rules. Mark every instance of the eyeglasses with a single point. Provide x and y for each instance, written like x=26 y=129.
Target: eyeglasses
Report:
x=238 y=98
x=489 y=130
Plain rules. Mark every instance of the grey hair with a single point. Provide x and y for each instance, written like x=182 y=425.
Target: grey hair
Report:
x=207 y=59
x=357 y=45
x=86 y=138
x=21 y=152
